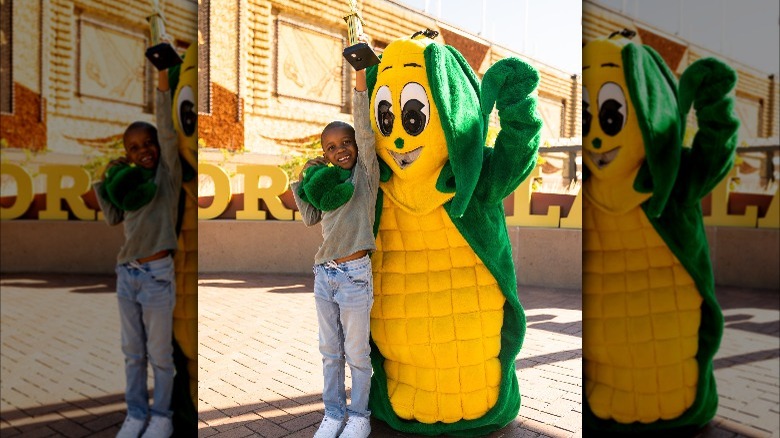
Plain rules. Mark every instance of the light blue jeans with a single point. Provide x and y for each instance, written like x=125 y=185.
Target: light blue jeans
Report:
x=147 y=294
x=344 y=294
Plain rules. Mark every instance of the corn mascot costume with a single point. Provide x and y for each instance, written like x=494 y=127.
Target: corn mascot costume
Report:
x=651 y=321
x=446 y=324
x=184 y=85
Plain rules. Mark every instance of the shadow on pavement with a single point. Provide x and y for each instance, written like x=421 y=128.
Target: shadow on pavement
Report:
x=569 y=328
x=304 y=423
x=83 y=417
x=771 y=328
x=542 y=322
x=536 y=297
x=741 y=359
x=75 y=283
x=544 y=359
x=751 y=310
x=731 y=297
x=273 y=283
x=721 y=427
x=85 y=403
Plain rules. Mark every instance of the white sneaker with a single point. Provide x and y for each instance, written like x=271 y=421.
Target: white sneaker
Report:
x=131 y=428
x=329 y=428
x=357 y=427
x=159 y=427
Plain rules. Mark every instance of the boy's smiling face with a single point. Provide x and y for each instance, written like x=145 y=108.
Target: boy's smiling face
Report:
x=339 y=147
x=141 y=148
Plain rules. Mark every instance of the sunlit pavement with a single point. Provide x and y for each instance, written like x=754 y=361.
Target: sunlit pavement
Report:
x=62 y=367
x=260 y=371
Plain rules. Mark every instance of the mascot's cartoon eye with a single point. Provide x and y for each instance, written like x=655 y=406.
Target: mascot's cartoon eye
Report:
x=415 y=111
x=587 y=117
x=612 y=108
x=384 y=110
x=185 y=107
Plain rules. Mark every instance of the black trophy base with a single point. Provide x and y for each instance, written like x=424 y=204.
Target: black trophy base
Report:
x=163 y=56
x=360 y=56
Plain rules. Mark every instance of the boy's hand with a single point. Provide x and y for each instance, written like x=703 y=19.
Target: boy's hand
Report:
x=112 y=163
x=313 y=162
x=360 y=75
x=364 y=38
x=162 y=75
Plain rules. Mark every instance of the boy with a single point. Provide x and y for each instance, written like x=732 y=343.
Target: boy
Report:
x=343 y=285
x=145 y=272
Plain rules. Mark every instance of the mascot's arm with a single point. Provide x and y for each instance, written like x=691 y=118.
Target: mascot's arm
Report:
x=167 y=137
x=707 y=84
x=508 y=84
x=310 y=214
x=112 y=214
x=325 y=187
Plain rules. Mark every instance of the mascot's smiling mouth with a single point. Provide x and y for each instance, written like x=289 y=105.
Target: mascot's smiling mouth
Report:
x=406 y=159
x=601 y=160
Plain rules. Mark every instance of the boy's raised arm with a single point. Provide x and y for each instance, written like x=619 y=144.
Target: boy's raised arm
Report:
x=166 y=135
x=364 y=135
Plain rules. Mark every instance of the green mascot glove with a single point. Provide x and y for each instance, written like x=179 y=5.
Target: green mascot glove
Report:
x=508 y=82
x=326 y=187
x=129 y=187
x=708 y=86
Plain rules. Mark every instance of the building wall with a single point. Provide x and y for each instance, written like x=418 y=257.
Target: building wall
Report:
x=221 y=26
x=757 y=92
x=272 y=121
x=24 y=125
x=72 y=65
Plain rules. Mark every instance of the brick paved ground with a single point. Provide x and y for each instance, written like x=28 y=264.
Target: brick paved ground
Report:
x=62 y=367
x=260 y=369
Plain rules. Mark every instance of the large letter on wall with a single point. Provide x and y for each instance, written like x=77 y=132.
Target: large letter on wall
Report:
x=522 y=215
x=72 y=195
x=222 y=192
x=24 y=191
x=720 y=207
x=253 y=193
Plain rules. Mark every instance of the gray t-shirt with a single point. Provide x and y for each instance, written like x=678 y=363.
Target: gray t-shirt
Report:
x=152 y=228
x=350 y=228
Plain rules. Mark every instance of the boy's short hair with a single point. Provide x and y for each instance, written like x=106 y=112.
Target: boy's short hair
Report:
x=337 y=124
x=140 y=125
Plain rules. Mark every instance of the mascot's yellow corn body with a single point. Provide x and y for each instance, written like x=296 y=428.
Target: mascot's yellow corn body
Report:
x=641 y=308
x=642 y=316
x=436 y=318
x=185 y=313
x=437 y=311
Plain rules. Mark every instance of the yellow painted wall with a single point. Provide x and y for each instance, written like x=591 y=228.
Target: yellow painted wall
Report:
x=270 y=119
x=47 y=48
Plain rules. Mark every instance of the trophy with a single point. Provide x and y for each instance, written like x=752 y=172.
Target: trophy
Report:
x=161 y=54
x=358 y=54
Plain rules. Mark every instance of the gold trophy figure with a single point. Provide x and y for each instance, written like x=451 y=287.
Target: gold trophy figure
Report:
x=358 y=54
x=161 y=54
